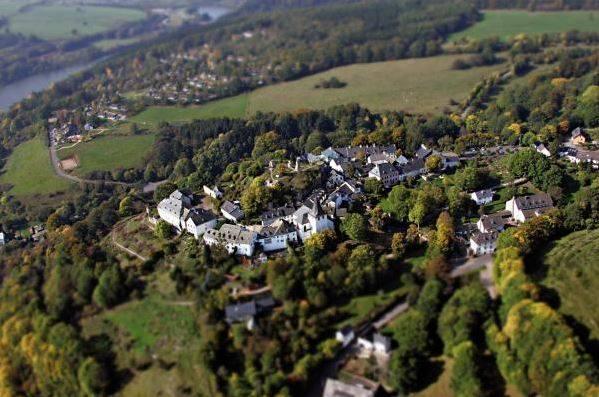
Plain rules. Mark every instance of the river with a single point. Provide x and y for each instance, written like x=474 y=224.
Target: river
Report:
x=21 y=89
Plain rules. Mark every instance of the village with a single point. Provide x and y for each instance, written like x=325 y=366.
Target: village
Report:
x=347 y=170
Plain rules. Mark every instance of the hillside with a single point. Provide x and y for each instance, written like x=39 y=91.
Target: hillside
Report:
x=572 y=271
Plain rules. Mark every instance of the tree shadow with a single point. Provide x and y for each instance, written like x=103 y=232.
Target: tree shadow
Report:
x=491 y=379
x=590 y=344
x=432 y=373
x=101 y=347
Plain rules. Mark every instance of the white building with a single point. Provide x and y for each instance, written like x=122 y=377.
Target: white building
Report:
x=234 y=238
x=541 y=148
x=176 y=210
x=378 y=343
x=232 y=211
x=345 y=336
x=213 y=192
x=494 y=222
x=482 y=197
x=483 y=243
x=2 y=238
x=277 y=236
x=309 y=221
x=528 y=207
x=386 y=173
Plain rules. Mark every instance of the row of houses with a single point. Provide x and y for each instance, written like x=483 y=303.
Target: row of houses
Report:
x=278 y=229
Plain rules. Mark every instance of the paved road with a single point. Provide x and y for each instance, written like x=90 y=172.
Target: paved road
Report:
x=391 y=315
x=471 y=265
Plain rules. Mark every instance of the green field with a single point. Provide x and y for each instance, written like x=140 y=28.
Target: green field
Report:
x=417 y=85
x=10 y=7
x=114 y=43
x=228 y=107
x=55 y=22
x=30 y=172
x=108 y=153
x=573 y=271
x=508 y=23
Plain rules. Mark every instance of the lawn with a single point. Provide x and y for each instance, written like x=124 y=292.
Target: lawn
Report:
x=107 y=153
x=507 y=23
x=56 y=22
x=572 y=270
x=228 y=107
x=30 y=172
x=109 y=44
x=419 y=85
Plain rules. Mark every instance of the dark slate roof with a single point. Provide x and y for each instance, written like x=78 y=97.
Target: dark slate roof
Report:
x=482 y=194
x=481 y=238
x=386 y=169
x=277 y=213
x=535 y=201
x=423 y=152
x=200 y=215
x=232 y=210
x=244 y=311
x=352 y=152
x=414 y=165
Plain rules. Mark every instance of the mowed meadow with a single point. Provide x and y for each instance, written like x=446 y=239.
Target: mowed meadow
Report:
x=58 y=22
x=28 y=171
x=508 y=23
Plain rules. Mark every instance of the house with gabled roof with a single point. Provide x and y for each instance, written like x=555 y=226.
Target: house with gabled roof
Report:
x=235 y=239
x=232 y=211
x=277 y=235
x=310 y=219
x=528 y=207
x=483 y=243
x=578 y=137
x=482 y=197
x=386 y=173
x=248 y=311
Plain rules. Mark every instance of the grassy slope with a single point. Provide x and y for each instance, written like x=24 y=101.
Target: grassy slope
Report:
x=30 y=172
x=158 y=325
x=506 y=23
x=228 y=107
x=55 y=22
x=110 y=152
x=419 y=85
x=573 y=269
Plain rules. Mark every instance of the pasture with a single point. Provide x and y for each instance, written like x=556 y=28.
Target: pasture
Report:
x=30 y=172
x=508 y=23
x=228 y=107
x=57 y=22
x=572 y=266
x=107 y=153
x=424 y=85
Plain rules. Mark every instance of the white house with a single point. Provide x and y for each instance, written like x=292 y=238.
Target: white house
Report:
x=234 y=238
x=277 y=235
x=493 y=222
x=231 y=211
x=198 y=221
x=528 y=207
x=386 y=173
x=482 y=197
x=345 y=336
x=378 y=343
x=541 y=148
x=171 y=208
x=309 y=221
x=285 y=212
x=483 y=243
x=213 y=192
x=2 y=238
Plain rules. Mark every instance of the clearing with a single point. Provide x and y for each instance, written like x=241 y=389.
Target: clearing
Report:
x=30 y=171
x=572 y=269
x=507 y=23
x=155 y=338
x=108 y=153
x=58 y=22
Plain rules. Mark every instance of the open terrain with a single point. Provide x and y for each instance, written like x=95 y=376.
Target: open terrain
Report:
x=572 y=269
x=107 y=153
x=55 y=22
x=508 y=23
x=417 y=85
x=228 y=107
x=29 y=170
